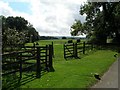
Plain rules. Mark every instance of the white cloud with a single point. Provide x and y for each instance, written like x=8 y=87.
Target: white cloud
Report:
x=5 y=9
x=49 y=17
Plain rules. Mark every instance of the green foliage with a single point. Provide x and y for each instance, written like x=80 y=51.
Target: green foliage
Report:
x=12 y=37
x=17 y=30
x=76 y=27
x=32 y=33
x=102 y=20
x=18 y=23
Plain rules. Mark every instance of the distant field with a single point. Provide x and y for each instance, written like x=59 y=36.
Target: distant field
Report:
x=73 y=73
x=56 y=41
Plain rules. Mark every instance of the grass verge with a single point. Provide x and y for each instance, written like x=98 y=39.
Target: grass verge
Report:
x=73 y=73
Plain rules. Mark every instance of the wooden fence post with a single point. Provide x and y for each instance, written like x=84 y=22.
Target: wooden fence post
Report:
x=83 y=47
x=75 y=50
x=38 y=70
x=50 y=59
x=64 y=51
x=46 y=58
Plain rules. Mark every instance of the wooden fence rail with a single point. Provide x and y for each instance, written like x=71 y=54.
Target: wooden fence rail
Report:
x=68 y=50
x=73 y=50
x=19 y=61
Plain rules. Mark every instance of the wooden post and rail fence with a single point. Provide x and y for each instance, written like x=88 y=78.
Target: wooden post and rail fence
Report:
x=16 y=61
x=72 y=50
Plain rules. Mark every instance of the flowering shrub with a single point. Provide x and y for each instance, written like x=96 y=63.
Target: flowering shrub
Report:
x=11 y=38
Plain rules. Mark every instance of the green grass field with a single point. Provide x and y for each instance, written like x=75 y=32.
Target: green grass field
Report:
x=73 y=73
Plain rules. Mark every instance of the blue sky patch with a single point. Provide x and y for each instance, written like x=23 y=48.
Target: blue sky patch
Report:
x=20 y=6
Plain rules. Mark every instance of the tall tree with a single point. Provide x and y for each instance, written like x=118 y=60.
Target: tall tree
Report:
x=16 y=30
x=102 y=20
x=17 y=23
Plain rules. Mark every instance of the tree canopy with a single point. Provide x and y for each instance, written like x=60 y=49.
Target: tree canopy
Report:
x=17 y=23
x=17 y=30
x=102 y=21
x=76 y=27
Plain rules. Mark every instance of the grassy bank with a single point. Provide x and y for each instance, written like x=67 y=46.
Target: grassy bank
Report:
x=73 y=73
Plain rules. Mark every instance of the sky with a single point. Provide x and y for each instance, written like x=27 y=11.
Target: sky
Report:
x=48 y=17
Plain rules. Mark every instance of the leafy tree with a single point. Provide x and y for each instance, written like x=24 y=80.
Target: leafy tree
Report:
x=102 y=20
x=32 y=33
x=95 y=21
x=12 y=37
x=76 y=27
x=16 y=30
x=17 y=23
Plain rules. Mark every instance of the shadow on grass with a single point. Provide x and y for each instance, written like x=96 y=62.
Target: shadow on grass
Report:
x=13 y=81
x=109 y=46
